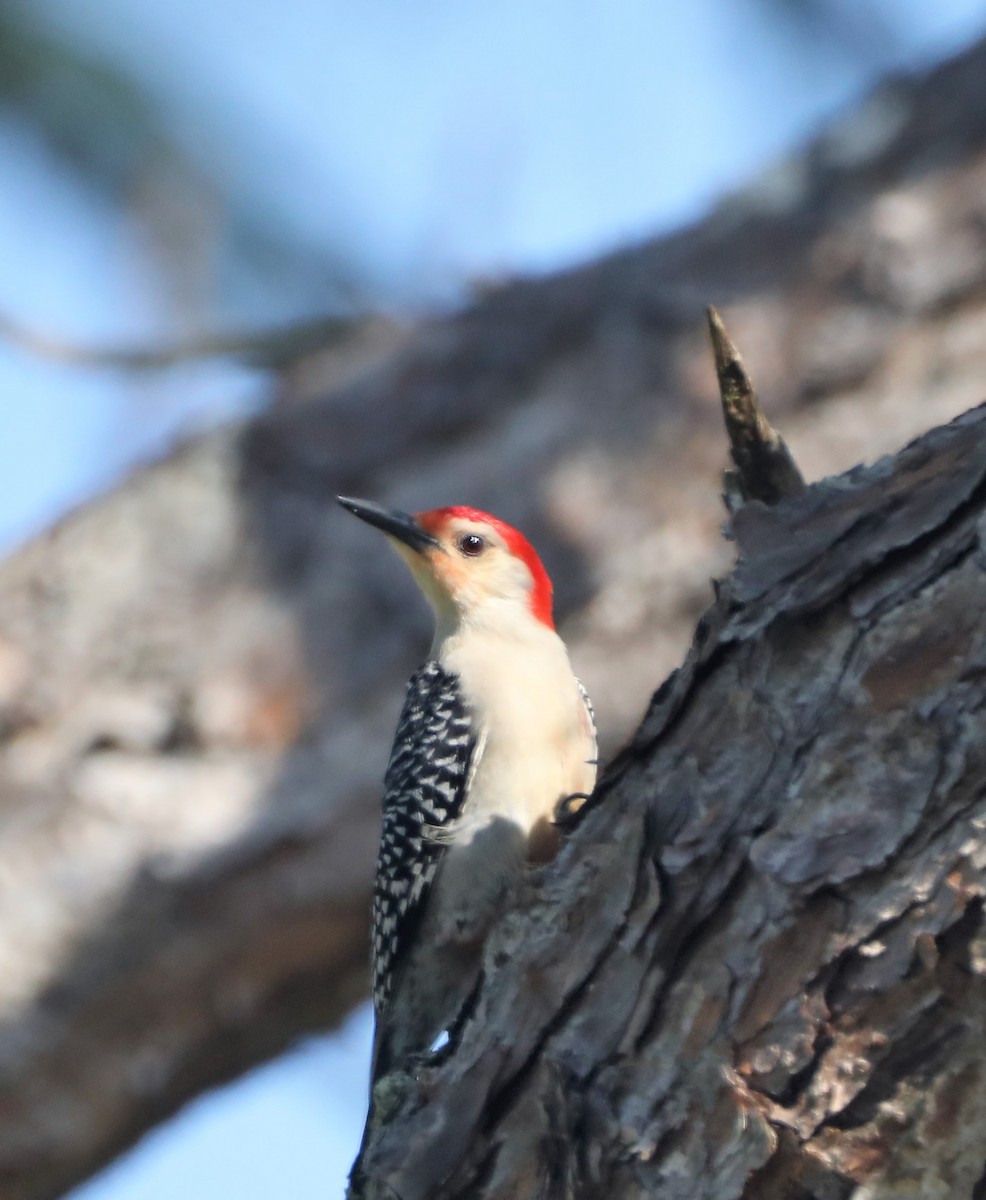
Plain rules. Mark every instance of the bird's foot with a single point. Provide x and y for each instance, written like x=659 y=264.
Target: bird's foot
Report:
x=570 y=809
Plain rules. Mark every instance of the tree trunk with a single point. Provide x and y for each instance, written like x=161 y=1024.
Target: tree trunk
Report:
x=200 y=674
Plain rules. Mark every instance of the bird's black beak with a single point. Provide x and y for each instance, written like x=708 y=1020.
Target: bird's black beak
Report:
x=397 y=524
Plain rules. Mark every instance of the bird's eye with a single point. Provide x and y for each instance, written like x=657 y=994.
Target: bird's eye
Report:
x=472 y=544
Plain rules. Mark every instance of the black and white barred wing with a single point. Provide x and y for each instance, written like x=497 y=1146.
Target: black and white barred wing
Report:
x=424 y=789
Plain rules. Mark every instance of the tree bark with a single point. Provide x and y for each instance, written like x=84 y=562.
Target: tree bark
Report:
x=200 y=674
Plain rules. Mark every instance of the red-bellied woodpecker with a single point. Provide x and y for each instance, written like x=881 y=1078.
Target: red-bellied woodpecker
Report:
x=496 y=733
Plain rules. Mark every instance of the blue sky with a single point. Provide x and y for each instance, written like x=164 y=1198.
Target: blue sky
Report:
x=288 y=1131
x=431 y=144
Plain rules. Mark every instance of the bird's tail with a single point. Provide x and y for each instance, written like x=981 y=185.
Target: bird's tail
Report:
x=379 y=1065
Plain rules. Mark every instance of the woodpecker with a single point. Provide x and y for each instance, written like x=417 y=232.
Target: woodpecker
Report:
x=495 y=734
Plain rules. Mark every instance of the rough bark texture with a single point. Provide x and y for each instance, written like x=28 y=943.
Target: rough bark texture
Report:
x=758 y=969
x=199 y=676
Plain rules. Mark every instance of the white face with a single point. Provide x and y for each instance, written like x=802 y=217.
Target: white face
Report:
x=472 y=569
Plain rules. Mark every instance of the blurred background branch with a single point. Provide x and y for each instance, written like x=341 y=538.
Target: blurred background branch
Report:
x=119 y=136
x=264 y=349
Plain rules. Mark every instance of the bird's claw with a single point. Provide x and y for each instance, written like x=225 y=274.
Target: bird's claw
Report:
x=570 y=809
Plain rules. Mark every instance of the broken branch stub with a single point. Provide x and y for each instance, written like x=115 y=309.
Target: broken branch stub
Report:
x=764 y=468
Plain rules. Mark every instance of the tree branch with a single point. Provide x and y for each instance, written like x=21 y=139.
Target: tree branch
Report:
x=265 y=348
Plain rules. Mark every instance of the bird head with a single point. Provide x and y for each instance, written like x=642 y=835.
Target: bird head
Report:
x=468 y=563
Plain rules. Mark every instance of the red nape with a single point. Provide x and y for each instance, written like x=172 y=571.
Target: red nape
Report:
x=435 y=520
